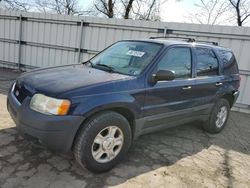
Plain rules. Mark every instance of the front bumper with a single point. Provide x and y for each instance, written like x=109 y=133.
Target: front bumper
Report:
x=54 y=132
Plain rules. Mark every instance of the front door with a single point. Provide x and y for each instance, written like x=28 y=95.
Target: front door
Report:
x=168 y=103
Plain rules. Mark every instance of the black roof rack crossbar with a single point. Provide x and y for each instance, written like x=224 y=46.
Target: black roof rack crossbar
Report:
x=185 y=38
x=188 y=39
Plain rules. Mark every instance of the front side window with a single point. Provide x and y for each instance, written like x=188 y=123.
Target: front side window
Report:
x=178 y=60
x=207 y=63
x=127 y=57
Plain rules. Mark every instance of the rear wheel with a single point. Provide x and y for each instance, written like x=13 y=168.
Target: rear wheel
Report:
x=103 y=141
x=218 y=117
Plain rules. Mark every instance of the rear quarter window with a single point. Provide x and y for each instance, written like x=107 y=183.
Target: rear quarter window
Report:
x=207 y=63
x=229 y=62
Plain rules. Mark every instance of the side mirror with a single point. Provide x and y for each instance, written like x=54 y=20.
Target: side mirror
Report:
x=163 y=75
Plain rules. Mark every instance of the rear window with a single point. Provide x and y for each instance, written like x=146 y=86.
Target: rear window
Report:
x=229 y=62
x=207 y=63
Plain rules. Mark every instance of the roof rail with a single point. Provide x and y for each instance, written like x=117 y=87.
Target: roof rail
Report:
x=187 y=39
x=208 y=42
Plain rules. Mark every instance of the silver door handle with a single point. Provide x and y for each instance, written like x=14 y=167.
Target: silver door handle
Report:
x=186 y=87
x=219 y=84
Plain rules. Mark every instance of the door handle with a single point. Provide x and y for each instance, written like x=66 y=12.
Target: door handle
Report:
x=219 y=84
x=186 y=87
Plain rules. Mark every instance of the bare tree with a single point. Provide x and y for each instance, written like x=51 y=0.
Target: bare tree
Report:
x=146 y=10
x=23 y=5
x=210 y=12
x=242 y=9
x=105 y=7
x=127 y=7
x=135 y=9
x=69 y=7
x=141 y=9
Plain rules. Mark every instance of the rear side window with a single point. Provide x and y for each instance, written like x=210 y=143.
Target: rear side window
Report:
x=229 y=62
x=177 y=60
x=207 y=63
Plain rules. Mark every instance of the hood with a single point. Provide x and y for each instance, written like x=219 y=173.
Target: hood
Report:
x=57 y=80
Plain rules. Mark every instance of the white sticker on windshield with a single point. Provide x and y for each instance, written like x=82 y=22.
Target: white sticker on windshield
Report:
x=135 y=53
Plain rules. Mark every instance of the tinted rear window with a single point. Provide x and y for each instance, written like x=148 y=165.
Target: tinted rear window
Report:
x=207 y=63
x=229 y=62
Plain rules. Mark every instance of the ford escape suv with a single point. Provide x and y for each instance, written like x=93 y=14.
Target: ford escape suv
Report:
x=97 y=108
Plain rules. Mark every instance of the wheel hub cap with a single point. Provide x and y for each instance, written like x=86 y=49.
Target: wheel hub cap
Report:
x=107 y=144
x=221 y=117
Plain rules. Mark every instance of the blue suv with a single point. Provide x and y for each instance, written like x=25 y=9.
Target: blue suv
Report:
x=97 y=108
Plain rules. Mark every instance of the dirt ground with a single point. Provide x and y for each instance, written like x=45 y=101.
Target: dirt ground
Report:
x=184 y=156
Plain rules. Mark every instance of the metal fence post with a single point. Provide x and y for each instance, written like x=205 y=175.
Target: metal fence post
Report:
x=19 y=43
x=80 y=42
x=165 y=31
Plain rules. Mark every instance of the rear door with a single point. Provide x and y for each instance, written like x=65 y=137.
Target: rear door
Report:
x=208 y=80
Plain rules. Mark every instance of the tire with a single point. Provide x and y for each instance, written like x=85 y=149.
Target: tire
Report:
x=87 y=145
x=213 y=125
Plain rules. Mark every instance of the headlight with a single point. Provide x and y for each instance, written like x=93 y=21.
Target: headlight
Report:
x=49 y=105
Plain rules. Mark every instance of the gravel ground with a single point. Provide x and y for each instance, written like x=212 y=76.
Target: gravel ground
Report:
x=184 y=156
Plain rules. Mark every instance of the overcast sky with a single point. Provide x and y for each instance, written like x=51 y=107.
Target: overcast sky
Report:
x=175 y=11
x=178 y=11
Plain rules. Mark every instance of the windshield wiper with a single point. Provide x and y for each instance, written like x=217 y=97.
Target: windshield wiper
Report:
x=103 y=66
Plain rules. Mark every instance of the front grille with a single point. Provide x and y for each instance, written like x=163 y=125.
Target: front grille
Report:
x=19 y=93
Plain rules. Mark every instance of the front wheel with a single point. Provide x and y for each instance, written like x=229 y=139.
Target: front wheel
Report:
x=218 y=117
x=103 y=141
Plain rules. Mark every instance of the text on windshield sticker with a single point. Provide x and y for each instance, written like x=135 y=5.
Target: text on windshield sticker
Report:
x=135 y=53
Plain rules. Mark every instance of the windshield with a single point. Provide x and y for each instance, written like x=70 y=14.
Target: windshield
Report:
x=126 y=57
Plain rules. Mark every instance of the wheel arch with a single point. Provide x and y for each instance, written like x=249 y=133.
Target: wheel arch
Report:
x=124 y=111
x=230 y=98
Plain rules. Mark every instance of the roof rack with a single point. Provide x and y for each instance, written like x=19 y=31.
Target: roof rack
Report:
x=187 y=39
x=207 y=42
